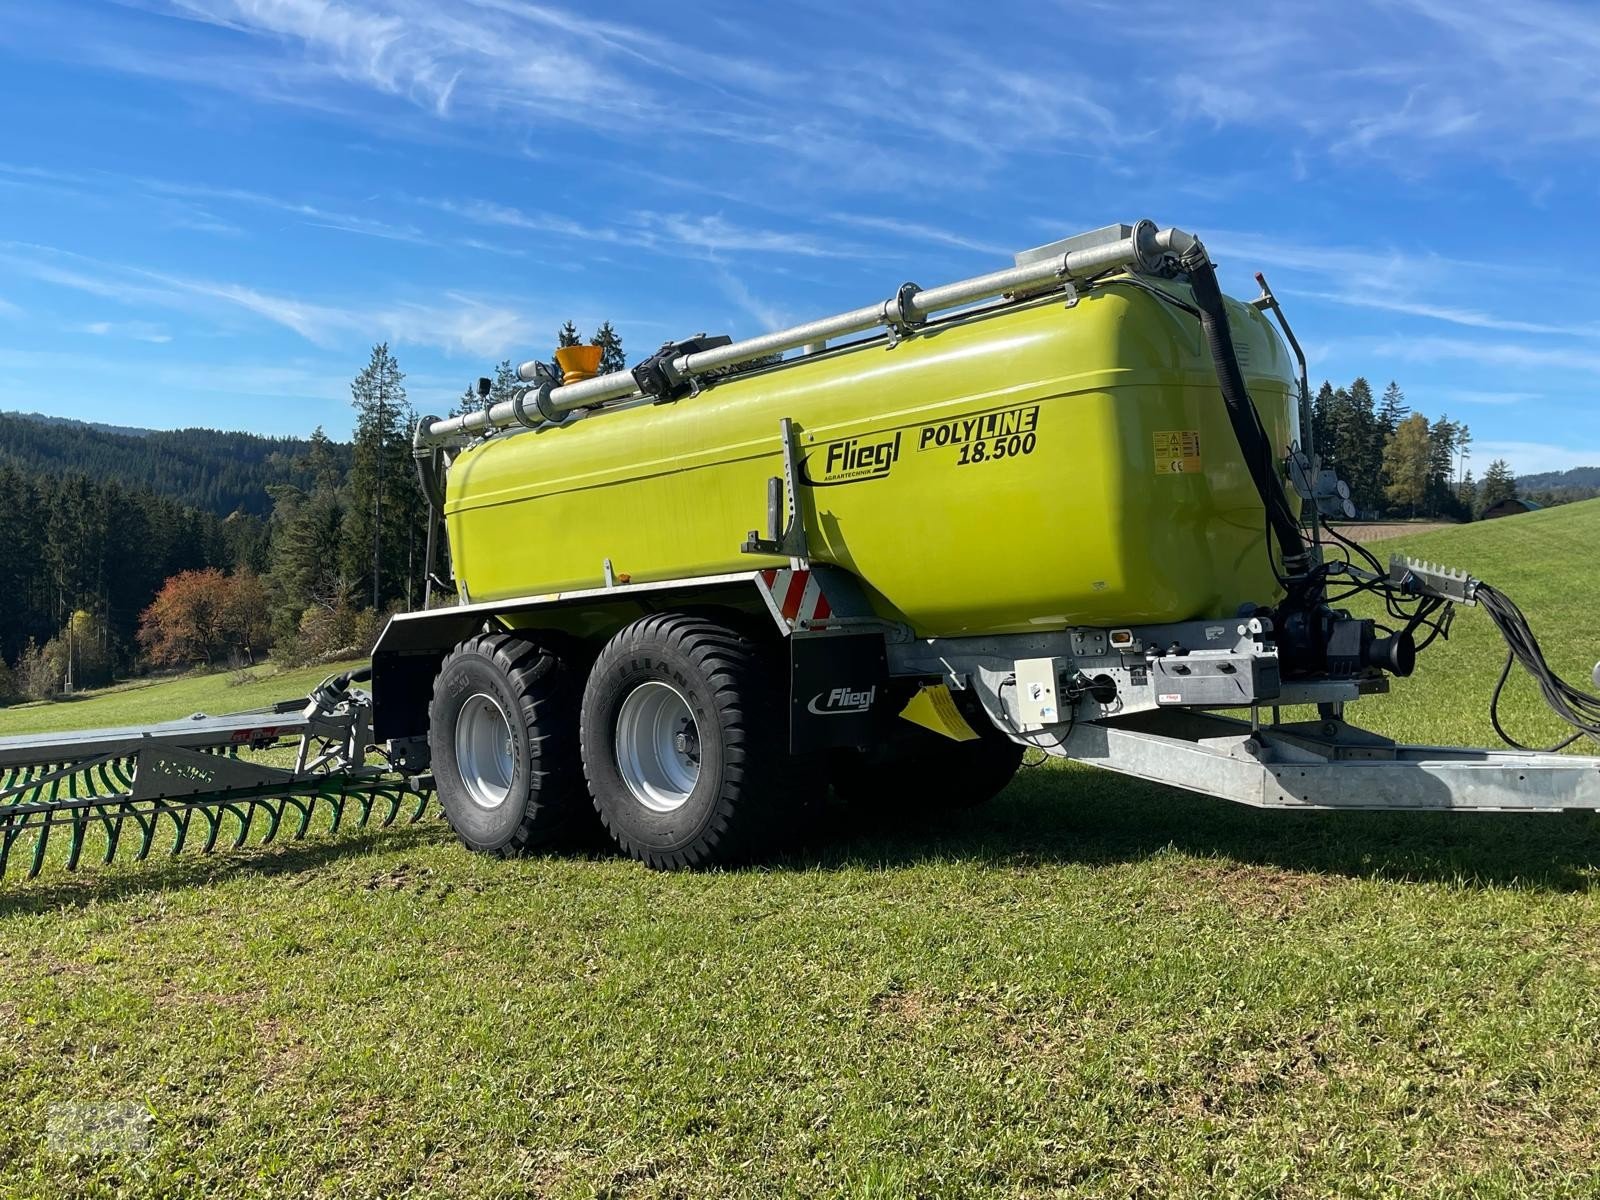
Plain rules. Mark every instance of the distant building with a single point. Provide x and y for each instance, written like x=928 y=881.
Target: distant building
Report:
x=1509 y=507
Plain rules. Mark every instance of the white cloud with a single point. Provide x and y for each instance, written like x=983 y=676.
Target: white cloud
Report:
x=8 y=309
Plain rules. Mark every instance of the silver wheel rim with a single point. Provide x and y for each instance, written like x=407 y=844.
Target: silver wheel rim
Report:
x=658 y=746
x=483 y=751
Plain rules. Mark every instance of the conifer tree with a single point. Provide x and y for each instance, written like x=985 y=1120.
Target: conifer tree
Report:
x=505 y=382
x=612 y=357
x=1322 y=421
x=1392 y=409
x=1498 y=484
x=384 y=504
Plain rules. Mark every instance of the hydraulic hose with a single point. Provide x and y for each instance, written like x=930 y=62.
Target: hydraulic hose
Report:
x=1247 y=428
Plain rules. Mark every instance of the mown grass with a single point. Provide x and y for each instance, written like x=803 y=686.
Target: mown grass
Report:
x=1549 y=563
x=1089 y=987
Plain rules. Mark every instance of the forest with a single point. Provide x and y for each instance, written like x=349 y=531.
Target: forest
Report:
x=218 y=472
x=133 y=549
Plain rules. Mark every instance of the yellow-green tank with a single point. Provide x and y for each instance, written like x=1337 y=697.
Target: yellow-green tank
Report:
x=1029 y=467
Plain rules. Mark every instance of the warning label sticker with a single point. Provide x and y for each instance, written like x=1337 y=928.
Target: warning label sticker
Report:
x=1177 y=451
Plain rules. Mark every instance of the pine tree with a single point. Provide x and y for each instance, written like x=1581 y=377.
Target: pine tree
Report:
x=308 y=538
x=505 y=383
x=612 y=358
x=1498 y=484
x=1322 y=421
x=1368 y=439
x=384 y=504
x=1392 y=409
x=1441 y=461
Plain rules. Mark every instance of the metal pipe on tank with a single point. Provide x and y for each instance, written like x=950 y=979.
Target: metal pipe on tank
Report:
x=1142 y=249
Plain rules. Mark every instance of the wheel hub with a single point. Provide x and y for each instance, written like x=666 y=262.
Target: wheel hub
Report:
x=485 y=753
x=658 y=746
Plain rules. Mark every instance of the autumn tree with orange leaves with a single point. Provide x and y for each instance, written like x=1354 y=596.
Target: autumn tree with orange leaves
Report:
x=198 y=615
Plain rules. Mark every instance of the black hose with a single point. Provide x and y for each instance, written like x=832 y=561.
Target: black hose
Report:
x=1578 y=708
x=1247 y=428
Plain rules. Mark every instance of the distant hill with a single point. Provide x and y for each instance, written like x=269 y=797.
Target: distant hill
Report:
x=207 y=469
x=1560 y=487
x=47 y=419
x=1577 y=477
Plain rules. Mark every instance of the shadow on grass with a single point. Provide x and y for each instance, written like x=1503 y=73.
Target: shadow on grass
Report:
x=94 y=883
x=1048 y=815
x=1051 y=815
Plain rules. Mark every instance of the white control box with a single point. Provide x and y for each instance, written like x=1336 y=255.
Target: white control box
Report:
x=1037 y=682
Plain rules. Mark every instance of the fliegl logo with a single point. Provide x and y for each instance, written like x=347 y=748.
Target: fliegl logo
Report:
x=853 y=459
x=842 y=700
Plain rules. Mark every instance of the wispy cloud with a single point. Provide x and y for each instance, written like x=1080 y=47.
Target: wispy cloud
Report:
x=137 y=331
x=456 y=322
x=670 y=233
x=916 y=231
x=1487 y=353
x=1473 y=396
x=100 y=183
x=8 y=309
x=866 y=117
x=1455 y=316
x=1349 y=78
x=766 y=315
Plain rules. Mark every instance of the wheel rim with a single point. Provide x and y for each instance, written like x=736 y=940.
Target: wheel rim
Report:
x=484 y=752
x=658 y=746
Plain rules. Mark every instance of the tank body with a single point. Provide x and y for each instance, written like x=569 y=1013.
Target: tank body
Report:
x=1021 y=469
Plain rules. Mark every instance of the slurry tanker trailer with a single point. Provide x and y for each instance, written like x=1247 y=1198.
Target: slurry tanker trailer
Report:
x=1072 y=505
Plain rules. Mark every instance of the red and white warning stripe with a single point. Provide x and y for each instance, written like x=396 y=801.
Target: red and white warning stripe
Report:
x=797 y=596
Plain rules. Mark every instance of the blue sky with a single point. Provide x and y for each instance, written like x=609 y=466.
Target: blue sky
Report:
x=209 y=209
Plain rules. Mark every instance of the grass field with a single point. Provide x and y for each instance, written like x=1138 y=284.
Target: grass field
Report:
x=1089 y=987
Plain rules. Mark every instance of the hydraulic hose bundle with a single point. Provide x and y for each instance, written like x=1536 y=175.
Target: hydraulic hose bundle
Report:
x=1576 y=707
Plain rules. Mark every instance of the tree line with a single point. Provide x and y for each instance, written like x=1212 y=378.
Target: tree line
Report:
x=1397 y=462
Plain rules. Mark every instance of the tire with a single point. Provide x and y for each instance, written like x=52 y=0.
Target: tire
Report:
x=918 y=770
x=685 y=744
x=503 y=732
